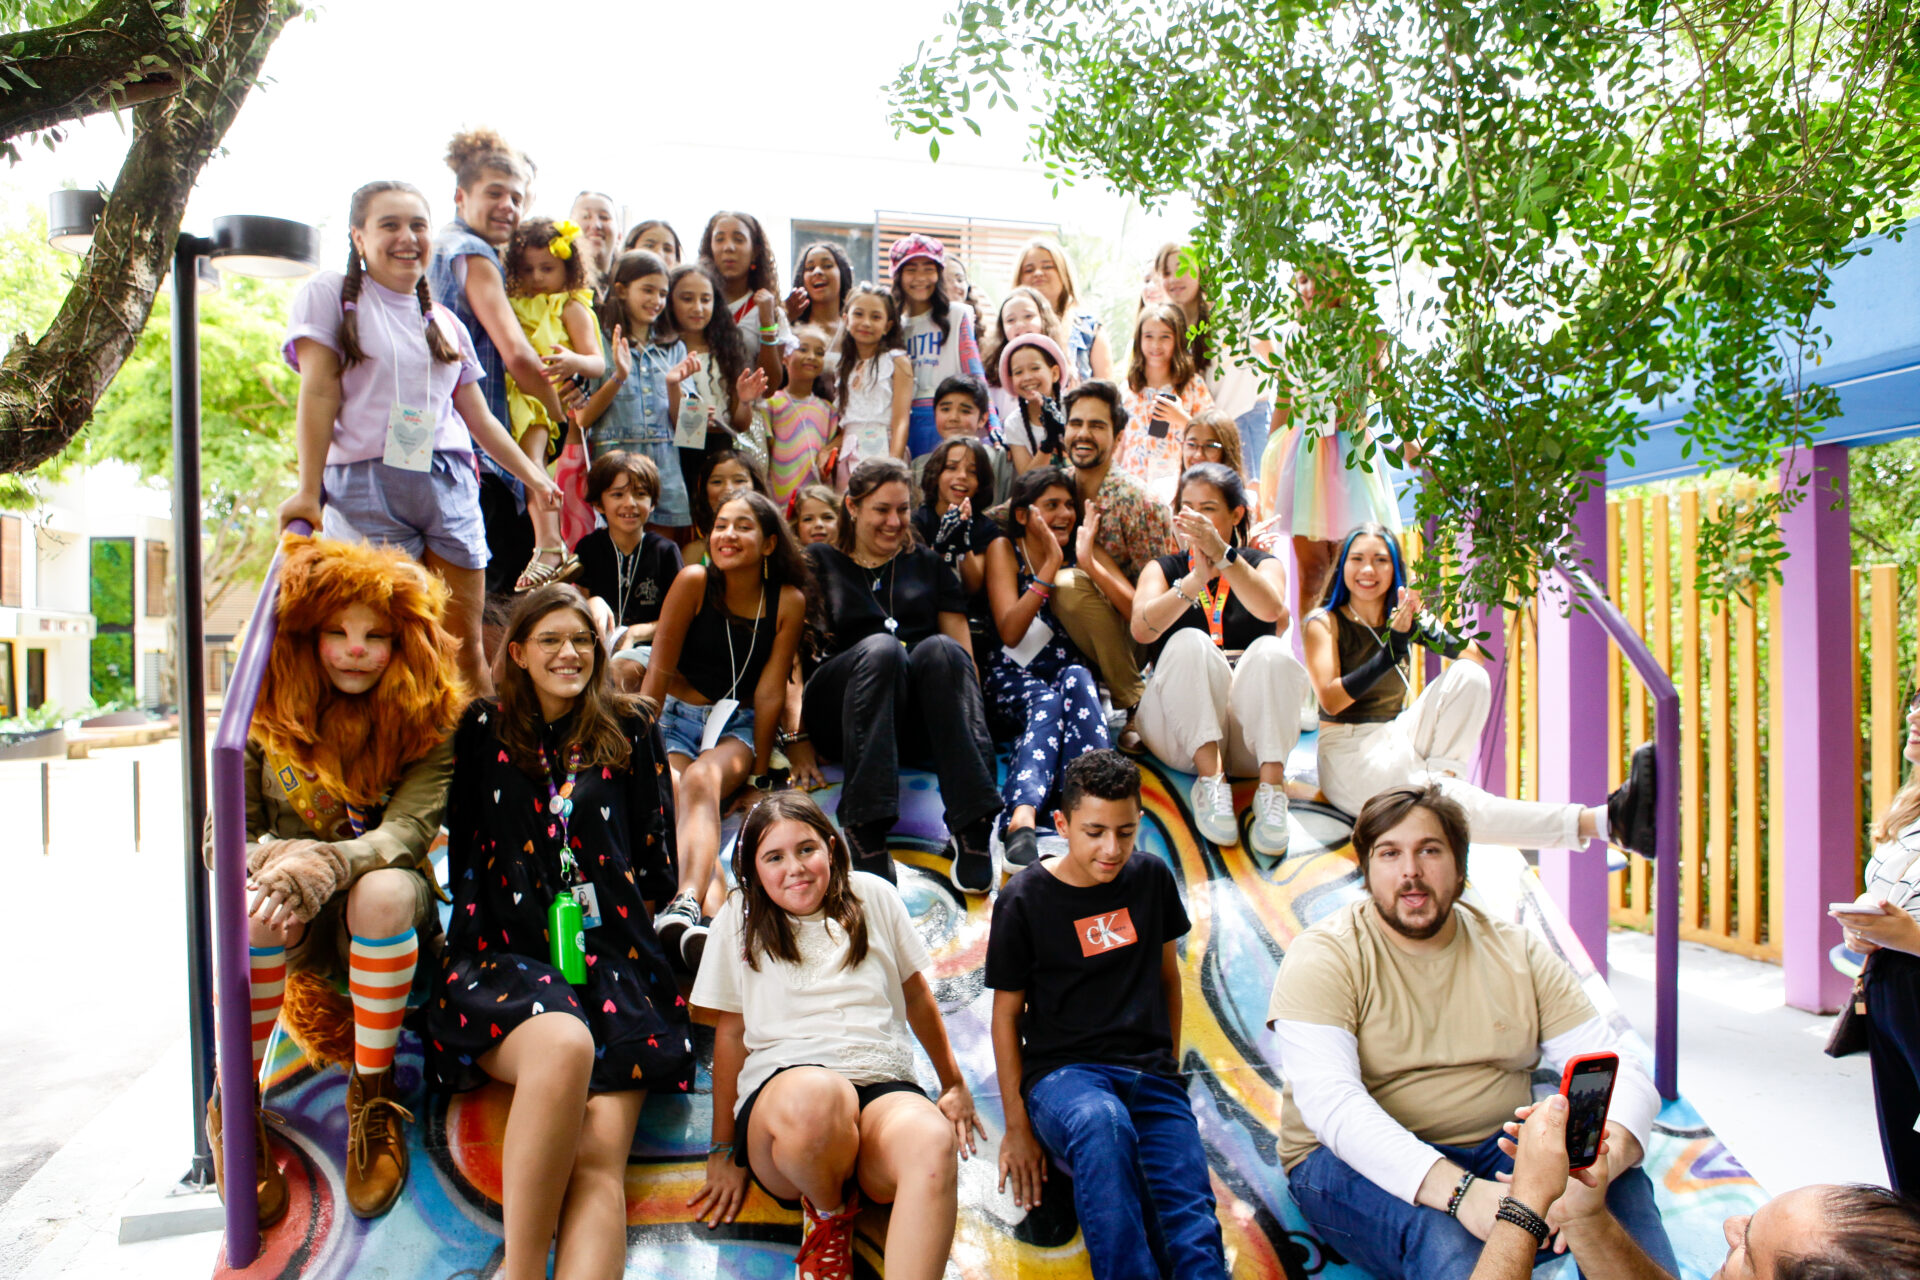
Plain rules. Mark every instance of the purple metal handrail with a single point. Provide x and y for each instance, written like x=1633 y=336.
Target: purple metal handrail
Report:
x=1666 y=829
x=233 y=990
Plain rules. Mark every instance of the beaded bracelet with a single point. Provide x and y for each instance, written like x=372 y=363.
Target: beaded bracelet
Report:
x=1527 y=1220
x=1459 y=1194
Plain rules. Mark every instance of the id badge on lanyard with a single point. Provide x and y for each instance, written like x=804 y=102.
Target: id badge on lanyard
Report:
x=690 y=429
x=409 y=427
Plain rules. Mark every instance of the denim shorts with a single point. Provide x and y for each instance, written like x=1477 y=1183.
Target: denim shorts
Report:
x=684 y=724
x=436 y=510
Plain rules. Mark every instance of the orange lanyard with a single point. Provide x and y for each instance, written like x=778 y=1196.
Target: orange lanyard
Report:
x=1213 y=606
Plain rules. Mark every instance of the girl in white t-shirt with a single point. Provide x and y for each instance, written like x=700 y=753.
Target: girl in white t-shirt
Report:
x=816 y=973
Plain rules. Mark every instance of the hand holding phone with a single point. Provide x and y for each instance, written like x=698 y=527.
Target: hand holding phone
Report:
x=1867 y=908
x=1587 y=1084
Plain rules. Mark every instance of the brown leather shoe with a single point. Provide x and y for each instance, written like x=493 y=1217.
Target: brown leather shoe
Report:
x=376 y=1144
x=270 y=1183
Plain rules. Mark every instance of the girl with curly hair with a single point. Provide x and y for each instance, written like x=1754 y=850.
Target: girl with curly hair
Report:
x=736 y=248
x=346 y=777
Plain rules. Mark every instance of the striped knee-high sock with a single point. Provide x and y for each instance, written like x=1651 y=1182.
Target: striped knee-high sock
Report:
x=267 y=977
x=380 y=970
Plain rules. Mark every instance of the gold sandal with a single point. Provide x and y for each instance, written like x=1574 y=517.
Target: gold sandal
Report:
x=537 y=575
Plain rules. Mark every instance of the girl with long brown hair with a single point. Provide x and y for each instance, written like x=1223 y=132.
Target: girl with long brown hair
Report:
x=1164 y=392
x=816 y=972
x=560 y=827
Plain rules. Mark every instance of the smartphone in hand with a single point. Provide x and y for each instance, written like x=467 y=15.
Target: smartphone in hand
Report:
x=1587 y=1085
x=1868 y=908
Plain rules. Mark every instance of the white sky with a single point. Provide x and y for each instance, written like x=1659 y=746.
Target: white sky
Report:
x=640 y=100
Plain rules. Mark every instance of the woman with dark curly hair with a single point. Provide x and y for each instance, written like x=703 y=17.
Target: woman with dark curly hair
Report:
x=736 y=248
x=821 y=281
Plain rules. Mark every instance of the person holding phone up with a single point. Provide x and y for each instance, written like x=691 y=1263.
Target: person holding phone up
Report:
x=1884 y=924
x=1447 y=1012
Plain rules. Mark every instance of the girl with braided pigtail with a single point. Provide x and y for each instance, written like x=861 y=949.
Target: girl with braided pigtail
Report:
x=390 y=410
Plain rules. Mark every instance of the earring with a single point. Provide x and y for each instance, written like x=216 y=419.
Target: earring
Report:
x=763 y=569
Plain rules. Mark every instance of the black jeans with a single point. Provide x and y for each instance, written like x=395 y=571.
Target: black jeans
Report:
x=872 y=704
x=1893 y=1048
x=509 y=534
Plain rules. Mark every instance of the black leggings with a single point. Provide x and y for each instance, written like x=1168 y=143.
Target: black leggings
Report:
x=877 y=701
x=1893 y=1047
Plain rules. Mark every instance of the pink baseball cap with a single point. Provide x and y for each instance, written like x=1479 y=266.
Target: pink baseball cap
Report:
x=1068 y=375
x=907 y=248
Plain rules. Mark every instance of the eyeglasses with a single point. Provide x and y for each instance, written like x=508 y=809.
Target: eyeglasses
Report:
x=581 y=641
x=1213 y=446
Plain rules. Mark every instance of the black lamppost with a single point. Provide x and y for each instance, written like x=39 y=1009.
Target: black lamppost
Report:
x=251 y=245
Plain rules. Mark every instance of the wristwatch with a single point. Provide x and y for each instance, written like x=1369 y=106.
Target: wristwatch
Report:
x=1232 y=555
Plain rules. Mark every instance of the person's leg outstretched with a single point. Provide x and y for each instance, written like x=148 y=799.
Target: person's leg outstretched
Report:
x=907 y=1159
x=548 y=1060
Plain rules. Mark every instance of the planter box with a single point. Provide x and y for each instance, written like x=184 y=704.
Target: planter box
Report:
x=117 y=720
x=45 y=744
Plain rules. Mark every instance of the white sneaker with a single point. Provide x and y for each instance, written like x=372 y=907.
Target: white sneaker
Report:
x=1212 y=800
x=1270 y=830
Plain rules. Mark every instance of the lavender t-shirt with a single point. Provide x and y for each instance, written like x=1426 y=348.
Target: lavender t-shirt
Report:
x=398 y=366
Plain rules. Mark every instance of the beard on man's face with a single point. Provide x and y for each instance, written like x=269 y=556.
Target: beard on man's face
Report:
x=1414 y=907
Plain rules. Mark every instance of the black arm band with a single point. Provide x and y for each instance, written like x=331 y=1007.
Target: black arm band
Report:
x=1368 y=673
x=1527 y=1220
x=1430 y=635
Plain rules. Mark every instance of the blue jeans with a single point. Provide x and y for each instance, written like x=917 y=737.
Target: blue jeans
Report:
x=1139 y=1172
x=1393 y=1240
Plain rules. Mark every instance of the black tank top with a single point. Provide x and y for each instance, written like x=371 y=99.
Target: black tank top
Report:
x=1388 y=695
x=723 y=656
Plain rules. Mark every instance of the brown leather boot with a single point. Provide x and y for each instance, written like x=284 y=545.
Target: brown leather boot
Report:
x=376 y=1144
x=270 y=1185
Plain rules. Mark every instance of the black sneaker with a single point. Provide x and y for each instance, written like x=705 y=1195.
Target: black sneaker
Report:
x=867 y=843
x=693 y=944
x=1022 y=847
x=972 y=869
x=671 y=925
x=1630 y=809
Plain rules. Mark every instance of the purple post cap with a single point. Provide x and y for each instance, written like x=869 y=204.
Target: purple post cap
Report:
x=907 y=248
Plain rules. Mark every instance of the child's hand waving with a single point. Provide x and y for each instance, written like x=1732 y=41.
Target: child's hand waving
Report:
x=751 y=385
x=622 y=356
x=768 y=304
x=685 y=369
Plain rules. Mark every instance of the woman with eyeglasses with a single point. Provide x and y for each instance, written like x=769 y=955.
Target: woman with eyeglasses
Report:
x=560 y=826
x=1885 y=926
x=1212 y=437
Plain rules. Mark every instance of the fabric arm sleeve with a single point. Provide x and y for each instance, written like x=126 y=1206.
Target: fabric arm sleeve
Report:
x=410 y=819
x=1430 y=635
x=1368 y=673
x=1322 y=1064
x=1635 y=1101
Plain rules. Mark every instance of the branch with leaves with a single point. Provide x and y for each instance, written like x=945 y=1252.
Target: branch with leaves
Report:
x=117 y=54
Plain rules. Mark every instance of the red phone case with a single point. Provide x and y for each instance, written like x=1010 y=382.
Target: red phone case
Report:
x=1577 y=1121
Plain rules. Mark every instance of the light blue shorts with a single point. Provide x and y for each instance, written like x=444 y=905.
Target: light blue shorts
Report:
x=683 y=725
x=436 y=510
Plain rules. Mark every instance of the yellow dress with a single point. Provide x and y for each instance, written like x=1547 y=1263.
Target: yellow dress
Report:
x=542 y=320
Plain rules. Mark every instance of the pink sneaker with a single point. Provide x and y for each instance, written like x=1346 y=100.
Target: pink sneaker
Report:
x=826 y=1247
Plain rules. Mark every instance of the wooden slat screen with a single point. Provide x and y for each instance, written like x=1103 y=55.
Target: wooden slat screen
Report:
x=990 y=249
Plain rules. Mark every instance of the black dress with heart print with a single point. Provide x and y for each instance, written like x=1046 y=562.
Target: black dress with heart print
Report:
x=503 y=864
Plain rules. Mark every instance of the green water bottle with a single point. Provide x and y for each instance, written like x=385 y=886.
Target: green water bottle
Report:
x=567 y=938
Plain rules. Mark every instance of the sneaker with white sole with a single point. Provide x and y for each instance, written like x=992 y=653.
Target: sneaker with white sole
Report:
x=826 y=1242
x=673 y=921
x=1212 y=800
x=1269 y=833
x=972 y=853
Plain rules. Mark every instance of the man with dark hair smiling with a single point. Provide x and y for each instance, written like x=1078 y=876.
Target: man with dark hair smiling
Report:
x=1085 y=969
x=1409 y=1025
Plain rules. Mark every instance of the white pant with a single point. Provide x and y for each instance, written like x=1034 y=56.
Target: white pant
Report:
x=1435 y=740
x=1195 y=697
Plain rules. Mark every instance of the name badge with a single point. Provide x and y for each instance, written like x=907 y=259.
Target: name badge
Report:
x=690 y=429
x=409 y=439
x=589 y=905
x=721 y=712
x=1038 y=633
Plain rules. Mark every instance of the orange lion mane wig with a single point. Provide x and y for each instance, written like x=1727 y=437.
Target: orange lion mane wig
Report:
x=358 y=743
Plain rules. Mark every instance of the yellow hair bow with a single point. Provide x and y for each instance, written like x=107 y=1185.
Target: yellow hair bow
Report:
x=561 y=246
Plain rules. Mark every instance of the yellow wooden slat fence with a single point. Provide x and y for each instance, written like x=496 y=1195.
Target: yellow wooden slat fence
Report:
x=1731 y=678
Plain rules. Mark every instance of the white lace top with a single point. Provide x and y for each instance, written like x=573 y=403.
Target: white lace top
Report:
x=818 y=1012
x=869 y=415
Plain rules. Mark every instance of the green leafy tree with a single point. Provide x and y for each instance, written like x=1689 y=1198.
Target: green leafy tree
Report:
x=180 y=70
x=1518 y=219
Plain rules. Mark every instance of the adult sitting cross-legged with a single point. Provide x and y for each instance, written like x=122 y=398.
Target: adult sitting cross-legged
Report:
x=1409 y=1025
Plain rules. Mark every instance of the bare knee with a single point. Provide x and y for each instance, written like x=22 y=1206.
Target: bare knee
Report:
x=561 y=1055
x=382 y=903
x=924 y=1148
x=817 y=1104
x=700 y=783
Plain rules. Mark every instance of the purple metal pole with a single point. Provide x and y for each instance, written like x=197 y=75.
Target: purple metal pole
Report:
x=1666 y=827
x=230 y=958
x=1823 y=817
x=1572 y=648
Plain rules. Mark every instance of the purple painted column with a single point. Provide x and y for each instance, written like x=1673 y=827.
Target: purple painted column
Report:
x=1822 y=817
x=1490 y=767
x=1572 y=653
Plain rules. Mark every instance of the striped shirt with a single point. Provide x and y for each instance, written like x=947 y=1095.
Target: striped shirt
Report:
x=1893 y=873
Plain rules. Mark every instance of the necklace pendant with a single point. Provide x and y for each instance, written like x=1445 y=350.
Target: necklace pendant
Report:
x=555 y=804
x=893 y=625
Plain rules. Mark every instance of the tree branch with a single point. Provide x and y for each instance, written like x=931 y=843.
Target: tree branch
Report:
x=121 y=52
x=48 y=388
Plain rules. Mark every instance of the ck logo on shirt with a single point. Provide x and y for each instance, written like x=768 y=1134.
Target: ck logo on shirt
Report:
x=1101 y=934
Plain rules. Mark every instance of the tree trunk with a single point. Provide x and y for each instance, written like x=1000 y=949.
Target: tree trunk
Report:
x=48 y=388
x=119 y=53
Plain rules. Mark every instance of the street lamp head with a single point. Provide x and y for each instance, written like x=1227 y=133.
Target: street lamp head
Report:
x=273 y=248
x=71 y=216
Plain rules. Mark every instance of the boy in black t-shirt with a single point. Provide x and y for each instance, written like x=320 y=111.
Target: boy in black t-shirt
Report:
x=1084 y=964
x=624 y=569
